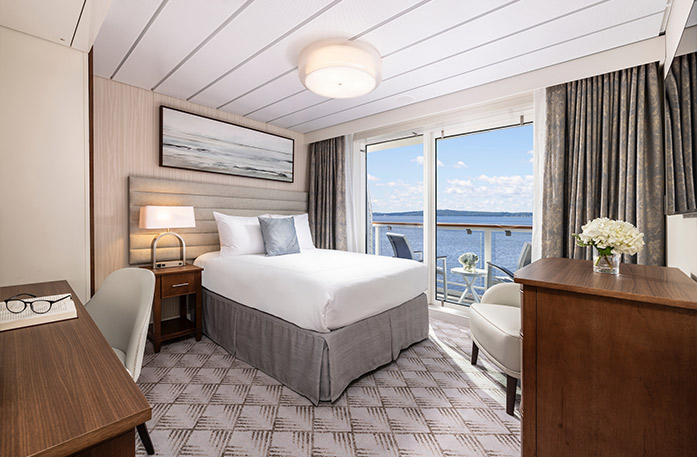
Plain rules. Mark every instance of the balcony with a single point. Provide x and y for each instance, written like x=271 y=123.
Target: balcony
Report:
x=500 y=244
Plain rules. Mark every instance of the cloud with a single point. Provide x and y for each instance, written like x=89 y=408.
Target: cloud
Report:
x=398 y=183
x=461 y=164
x=461 y=186
x=488 y=193
x=391 y=184
x=509 y=185
x=532 y=156
x=475 y=193
x=492 y=186
x=420 y=161
x=397 y=196
x=373 y=178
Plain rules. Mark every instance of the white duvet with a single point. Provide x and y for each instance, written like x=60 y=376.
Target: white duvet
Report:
x=317 y=289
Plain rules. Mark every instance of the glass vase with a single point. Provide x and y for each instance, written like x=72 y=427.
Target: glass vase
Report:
x=608 y=264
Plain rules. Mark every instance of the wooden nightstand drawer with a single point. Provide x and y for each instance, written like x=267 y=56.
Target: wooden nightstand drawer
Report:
x=180 y=284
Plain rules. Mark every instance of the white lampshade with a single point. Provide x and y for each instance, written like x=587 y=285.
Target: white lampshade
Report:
x=340 y=68
x=166 y=217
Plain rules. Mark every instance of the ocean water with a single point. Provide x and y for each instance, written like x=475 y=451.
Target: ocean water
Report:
x=451 y=243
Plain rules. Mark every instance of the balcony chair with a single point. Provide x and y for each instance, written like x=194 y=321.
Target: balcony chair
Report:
x=495 y=329
x=121 y=308
x=402 y=250
x=494 y=277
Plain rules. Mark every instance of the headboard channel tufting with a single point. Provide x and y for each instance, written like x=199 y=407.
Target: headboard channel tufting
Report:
x=205 y=198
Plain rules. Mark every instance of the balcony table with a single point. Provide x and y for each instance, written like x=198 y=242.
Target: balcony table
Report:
x=469 y=277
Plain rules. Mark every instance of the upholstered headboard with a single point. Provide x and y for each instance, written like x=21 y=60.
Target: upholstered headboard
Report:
x=205 y=198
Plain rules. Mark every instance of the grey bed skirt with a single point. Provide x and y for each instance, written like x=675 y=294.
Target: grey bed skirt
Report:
x=318 y=366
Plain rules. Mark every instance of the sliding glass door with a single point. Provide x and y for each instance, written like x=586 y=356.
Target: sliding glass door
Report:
x=394 y=197
x=452 y=194
x=484 y=198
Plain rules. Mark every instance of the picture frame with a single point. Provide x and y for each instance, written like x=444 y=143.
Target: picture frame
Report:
x=194 y=142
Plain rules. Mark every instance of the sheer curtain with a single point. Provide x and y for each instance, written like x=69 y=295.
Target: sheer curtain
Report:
x=327 y=205
x=538 y=166
x=605 y=158
x=355 y=195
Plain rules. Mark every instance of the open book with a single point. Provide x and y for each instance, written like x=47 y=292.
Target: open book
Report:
x=62 y=310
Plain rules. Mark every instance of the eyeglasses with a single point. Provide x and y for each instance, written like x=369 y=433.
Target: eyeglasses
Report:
x=17 y=305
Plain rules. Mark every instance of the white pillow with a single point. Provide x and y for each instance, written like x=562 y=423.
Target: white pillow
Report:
x=239 y=235
x=302 y=230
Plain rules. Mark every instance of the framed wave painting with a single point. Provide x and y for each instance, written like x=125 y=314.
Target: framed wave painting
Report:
x=200 y=143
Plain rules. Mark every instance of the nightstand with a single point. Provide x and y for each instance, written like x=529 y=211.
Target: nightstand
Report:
x=175 y=282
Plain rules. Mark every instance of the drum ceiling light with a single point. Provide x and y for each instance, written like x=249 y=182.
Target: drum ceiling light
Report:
x=340 y=68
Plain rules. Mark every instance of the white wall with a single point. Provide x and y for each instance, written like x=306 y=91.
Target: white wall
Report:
x=682 y=243
x=44 y=227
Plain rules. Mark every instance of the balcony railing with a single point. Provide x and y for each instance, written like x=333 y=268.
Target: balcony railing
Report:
x=445 y=289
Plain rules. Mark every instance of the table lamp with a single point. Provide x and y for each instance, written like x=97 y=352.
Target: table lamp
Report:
x=167 y=217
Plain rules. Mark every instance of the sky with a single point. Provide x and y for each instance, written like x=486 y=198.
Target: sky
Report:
x=489 y=171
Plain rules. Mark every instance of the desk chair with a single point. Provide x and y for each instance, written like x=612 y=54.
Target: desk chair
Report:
x=121 y=308
x=402 y=250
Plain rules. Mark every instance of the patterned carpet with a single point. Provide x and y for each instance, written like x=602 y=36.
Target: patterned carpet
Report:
x=430 y=402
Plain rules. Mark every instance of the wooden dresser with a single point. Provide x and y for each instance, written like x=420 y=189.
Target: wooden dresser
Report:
x=609 y=362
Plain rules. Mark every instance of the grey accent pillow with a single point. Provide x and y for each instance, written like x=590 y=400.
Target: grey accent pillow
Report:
x=279 y=235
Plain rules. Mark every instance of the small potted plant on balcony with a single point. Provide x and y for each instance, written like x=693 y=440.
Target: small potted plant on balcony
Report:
x=469 y=261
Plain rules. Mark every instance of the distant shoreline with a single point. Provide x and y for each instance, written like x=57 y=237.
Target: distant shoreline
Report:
x=458 y=213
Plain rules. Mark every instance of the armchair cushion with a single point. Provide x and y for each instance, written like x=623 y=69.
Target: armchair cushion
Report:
x=496 y=331
x=503 y=294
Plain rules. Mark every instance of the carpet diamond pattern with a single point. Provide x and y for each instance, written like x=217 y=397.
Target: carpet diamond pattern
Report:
x=430 y=402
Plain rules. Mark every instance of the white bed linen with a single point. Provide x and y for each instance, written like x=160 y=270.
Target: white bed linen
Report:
x=319 y=289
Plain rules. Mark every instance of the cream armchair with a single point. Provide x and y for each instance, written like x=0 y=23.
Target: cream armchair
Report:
x=495 y=328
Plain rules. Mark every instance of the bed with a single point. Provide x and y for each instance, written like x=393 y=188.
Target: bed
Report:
x=316 y=320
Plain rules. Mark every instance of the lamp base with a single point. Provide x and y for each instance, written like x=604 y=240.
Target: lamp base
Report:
x=171 y=263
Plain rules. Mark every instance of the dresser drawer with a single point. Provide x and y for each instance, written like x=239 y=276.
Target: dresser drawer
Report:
x=180 y=284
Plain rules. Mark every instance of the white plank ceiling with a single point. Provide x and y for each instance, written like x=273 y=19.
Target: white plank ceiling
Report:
x=240 y=56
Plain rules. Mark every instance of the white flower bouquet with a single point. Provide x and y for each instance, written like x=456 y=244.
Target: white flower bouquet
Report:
x=469 y=261
x=610 y=238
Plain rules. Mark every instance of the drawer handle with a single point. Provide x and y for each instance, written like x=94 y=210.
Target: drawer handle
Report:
x=181 y=285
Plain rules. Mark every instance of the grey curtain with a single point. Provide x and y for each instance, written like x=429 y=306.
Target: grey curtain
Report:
x=327 y=212
x=605 y=159
x=681 y=135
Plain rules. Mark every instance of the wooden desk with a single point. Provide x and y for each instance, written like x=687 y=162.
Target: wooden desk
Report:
x=63 y=391
x=609 y=362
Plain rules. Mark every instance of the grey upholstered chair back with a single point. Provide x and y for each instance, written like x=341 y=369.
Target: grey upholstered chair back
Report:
x=400 y=246
x=121 y=308
x=525 y=256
